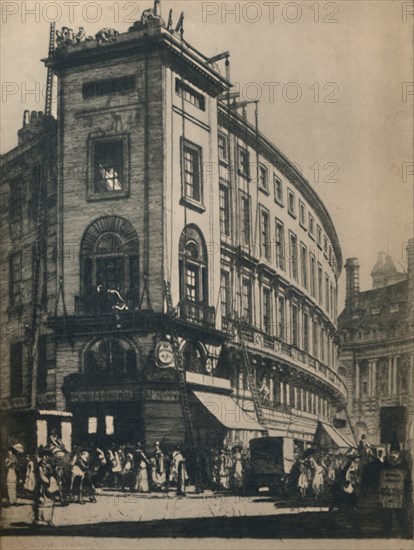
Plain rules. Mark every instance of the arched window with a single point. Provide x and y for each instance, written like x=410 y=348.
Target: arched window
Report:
x=110 y=360
x=194 y=358
x=109 y=260
x=193 y=273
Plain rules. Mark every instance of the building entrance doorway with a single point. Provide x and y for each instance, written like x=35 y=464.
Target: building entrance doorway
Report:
x=102 y=424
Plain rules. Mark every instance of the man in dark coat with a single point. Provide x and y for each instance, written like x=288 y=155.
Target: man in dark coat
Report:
x=395 y=493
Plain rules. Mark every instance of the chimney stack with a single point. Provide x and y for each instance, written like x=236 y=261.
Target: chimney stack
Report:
x=352 y=282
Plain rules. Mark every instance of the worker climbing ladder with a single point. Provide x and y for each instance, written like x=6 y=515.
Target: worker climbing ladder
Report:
x=251 y=378
x=179 y=365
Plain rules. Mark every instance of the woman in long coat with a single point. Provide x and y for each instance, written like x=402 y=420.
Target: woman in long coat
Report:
x=142 y=464
x=30 y=480
x=11 y=476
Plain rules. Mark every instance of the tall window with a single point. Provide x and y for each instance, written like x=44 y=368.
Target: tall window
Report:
x=222 y=147
x=311 y=226
x=320 y=283
x=15 y=209
x=319 y=236
x=265 y=233
x=293 y=255
x=291 y=203
x=322 y=345
x=15 y=278
x=16 y=369
x=304 y=264
x=225 y=294
x=280 y=245
x=194 y=358
x=245 y=218
x=263 y=178
x=327 y=293
x=278 y=189
x=224 y=210
x=281 y=317
x=193 y=269
x=247 y=301
x=244 y=162
x=191 y=171
x=325 y=245
x=109 y=261
x=306 y=332
x=301 y=213
x=312 y=275
x=315 y=338
x=295 y=327
x=108 y=159
x=267 y=310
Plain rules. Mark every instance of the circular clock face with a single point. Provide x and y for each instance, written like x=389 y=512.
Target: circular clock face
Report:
x=165 y=354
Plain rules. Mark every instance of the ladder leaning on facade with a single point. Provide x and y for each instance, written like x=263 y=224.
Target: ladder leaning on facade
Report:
x=180 y=368
x=251 y=378
x=40 y=239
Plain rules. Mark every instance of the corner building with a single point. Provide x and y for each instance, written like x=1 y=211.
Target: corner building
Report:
x=377 y=350
x=157 y=179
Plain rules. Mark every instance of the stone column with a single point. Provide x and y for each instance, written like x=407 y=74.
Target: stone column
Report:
x=369 y=378
x=390 y=378
x=374 y=378
x=271 y=386
x=395 y=376
x=357 y=381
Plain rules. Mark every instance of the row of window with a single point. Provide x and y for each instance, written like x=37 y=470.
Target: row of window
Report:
x=386 y=380
x=311 y=271
x=293 y=324
x=281 y=393
x=244 y=169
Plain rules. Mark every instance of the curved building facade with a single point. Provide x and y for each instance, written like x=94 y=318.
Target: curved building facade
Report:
x=158 y=179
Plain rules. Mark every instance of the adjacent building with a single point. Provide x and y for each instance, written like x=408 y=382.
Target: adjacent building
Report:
x=377 y=350
x=153 y=177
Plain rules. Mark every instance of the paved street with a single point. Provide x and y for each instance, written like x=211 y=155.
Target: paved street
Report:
x=133 y=515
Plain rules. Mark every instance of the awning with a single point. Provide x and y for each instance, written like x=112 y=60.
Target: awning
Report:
x=326 y=430
x=228 y=412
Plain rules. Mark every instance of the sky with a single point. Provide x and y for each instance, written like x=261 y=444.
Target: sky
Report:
x=334 y=79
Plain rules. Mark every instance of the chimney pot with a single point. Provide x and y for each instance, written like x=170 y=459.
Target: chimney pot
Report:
x=352 y=282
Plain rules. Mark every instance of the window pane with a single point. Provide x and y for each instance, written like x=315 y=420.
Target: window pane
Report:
x=109 y=166
x=191 y=283
x=247 y=301
x=109 y=425
x=224 y=211
x=280 y=244
x=191 y=173
x=92 y=425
